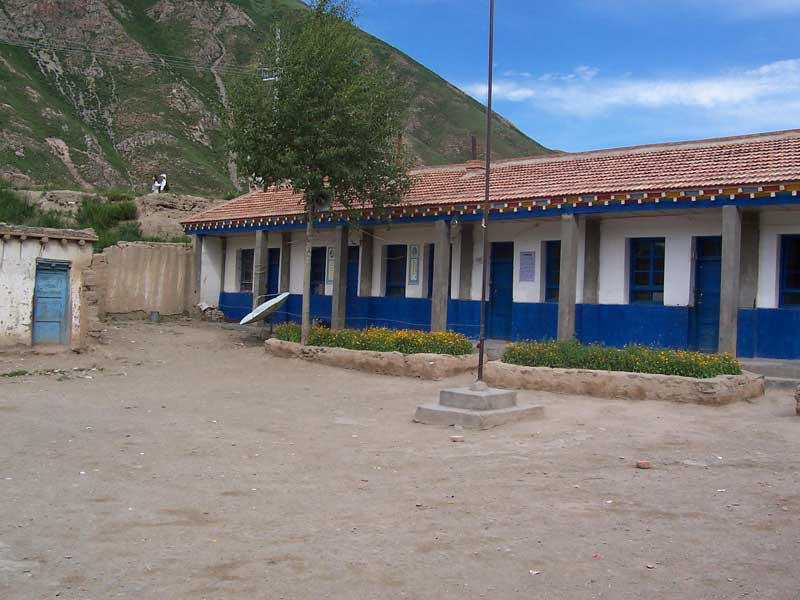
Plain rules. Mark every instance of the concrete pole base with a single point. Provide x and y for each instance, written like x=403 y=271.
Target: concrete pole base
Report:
x=476 y=407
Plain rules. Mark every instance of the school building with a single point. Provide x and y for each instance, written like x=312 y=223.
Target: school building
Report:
x=692 y=245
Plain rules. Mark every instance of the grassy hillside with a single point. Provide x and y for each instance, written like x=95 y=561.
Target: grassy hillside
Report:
x=106 y=93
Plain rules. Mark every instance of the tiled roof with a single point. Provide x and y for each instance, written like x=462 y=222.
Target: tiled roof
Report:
x=715 y=163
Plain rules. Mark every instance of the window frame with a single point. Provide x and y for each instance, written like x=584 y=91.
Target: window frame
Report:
x=651 y=287
x=390 y=286
x=783 y=289
x=552 y=272
x=246 y=284
x=318 y=285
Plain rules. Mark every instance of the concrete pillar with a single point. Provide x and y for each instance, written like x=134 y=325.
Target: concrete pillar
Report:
x=731 y=274
x=260 y=267
x=748 y=282
x=365 y=271
x=591 y=262
x=286 y=261
x=569 y=277
x=465 y=263
x=339 y=301
x=197 y=262
x=441 y=276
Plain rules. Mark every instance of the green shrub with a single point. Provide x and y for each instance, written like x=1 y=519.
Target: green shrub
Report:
x=380 y=339
x=105 y=215
x=634 y=359
x=17 y=211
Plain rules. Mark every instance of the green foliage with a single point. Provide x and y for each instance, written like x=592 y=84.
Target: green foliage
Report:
x=105 y=215
x=380 y=339
x=330 y=119
x=16 y=211
x=634 y=359
x=113 y=221
x=18 y=373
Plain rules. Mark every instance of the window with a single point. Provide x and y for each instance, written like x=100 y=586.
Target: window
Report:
x=246 y=270
x=552 y=271
x=318 y=262
x=790 y=271
x=396 y=270
x=647 y=270
x=431 y=262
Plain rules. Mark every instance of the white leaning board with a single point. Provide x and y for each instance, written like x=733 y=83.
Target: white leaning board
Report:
x=264 y=310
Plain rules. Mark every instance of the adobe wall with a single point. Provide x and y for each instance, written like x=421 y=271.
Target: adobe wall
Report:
x=18 y=278
x=136 y=278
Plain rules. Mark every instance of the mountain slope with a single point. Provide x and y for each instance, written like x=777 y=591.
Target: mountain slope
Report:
x=106 y=93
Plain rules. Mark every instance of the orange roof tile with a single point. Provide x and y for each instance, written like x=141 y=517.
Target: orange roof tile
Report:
x=735 y=161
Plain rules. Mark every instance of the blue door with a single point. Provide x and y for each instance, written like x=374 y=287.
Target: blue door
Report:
x=273 y=271
x=705 y=314
x=353 y=313
x=501 y=291
x=50 y=302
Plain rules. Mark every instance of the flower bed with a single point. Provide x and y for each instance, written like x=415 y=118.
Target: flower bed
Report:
x=631 y=359
x=424 y=366
x=380 y=339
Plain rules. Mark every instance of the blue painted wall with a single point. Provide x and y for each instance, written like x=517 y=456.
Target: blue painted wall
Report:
x=534 y=321
x=464 y=316
x=769 y=333
x=621 y=324
x=766 y=333
x=235 y=305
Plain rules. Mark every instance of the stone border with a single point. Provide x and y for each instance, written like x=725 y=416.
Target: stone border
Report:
x=424 y=366
x=715 y=391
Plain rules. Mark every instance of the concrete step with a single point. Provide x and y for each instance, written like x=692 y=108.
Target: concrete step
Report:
x=783 y=369
x=782 y=384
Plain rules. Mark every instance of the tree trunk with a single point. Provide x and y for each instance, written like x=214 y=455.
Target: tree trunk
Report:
x=305 y=327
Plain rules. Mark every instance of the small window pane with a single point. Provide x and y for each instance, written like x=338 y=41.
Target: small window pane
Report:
x=641 y=278
x=642 y=296
x=246 y=270
x=791 y=299
x=658 y=278
x=658 y=297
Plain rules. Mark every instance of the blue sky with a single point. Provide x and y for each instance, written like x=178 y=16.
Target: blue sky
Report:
x=586 y=74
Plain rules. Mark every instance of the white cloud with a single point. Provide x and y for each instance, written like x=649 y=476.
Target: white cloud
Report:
x=757 y=93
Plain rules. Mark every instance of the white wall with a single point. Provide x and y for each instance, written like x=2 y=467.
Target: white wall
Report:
x=322 y=237
x=679 y=232
x=211 y=270
x=18 y=279
x=773 y=224
x=401 y=234
x=527 y=235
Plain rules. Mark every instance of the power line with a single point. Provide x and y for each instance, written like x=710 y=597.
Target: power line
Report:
x=152 y=58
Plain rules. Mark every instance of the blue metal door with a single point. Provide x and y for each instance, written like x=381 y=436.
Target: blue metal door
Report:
x=353 y=315
x=50 y=302
x=273 y=272
x=501 y=291
x=707 y=277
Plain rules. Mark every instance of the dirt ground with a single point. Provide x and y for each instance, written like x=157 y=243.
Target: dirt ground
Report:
x=190 y=465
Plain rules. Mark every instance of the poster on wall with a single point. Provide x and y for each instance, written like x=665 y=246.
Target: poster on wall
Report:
x=413 y=265
x=331 y=265
x=527 y=266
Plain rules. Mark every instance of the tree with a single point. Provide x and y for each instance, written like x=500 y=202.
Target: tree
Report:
x=326 y=120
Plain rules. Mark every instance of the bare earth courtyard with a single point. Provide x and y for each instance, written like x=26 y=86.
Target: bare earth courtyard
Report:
x=192 y=465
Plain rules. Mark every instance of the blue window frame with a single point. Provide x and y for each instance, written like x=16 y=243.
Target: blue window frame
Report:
x=790 y=271
x=552 y=270
x=396 y=258
x=647 y=270
x=246 y=257
x=318 y=259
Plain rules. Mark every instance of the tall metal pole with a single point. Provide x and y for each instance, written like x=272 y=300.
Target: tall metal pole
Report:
x=486 y=205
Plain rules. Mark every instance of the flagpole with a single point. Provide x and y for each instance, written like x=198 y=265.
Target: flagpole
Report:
x=486 y=205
